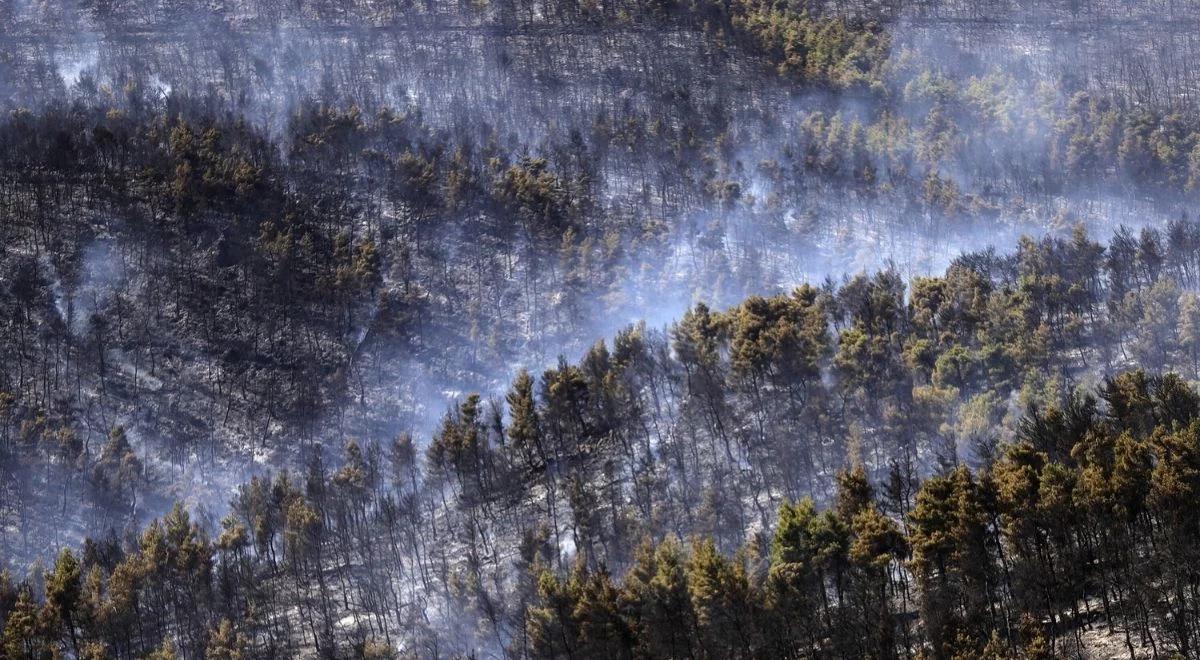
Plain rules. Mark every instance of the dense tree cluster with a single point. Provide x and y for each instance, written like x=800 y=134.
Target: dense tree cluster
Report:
x=1085 y=521
x=506 y=530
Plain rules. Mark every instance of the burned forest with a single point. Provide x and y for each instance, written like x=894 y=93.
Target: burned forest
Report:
x=692 y=329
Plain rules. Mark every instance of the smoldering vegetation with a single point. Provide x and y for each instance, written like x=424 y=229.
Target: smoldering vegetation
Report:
x=238 y=236
x=502 y=535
